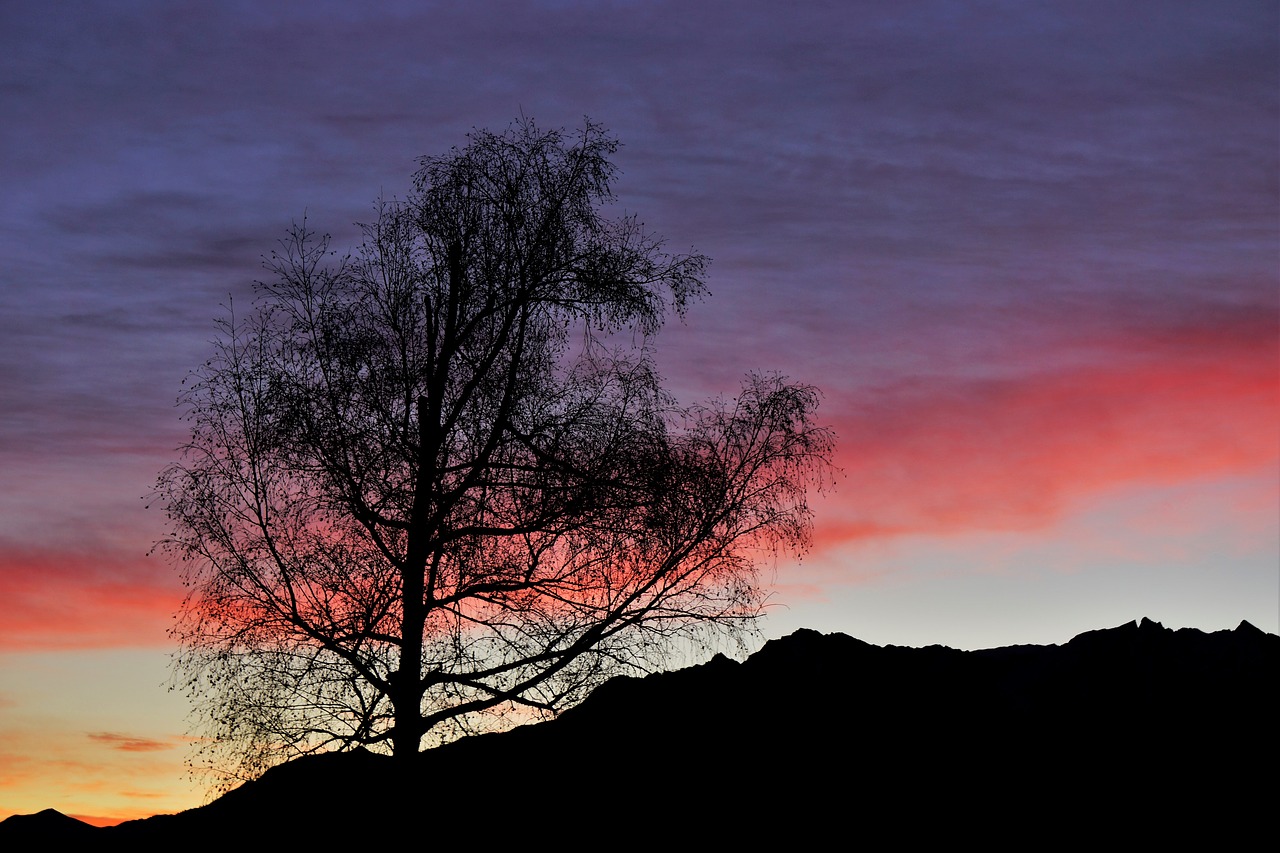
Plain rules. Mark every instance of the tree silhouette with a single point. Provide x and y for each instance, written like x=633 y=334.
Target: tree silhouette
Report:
x=436 y=485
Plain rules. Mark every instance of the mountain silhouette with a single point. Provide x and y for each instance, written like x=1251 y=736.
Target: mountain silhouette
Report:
x=1137 y=734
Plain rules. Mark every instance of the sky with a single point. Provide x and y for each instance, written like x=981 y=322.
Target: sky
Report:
x=1029 y=252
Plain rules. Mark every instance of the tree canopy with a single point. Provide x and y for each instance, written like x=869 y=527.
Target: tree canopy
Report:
x=430 y=488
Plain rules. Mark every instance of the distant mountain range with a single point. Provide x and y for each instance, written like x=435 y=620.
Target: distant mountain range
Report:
x=1137 y=734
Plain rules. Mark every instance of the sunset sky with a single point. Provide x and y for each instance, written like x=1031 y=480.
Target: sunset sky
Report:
x=1030 y=252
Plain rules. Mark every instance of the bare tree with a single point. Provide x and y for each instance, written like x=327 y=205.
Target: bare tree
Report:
x=426 y=493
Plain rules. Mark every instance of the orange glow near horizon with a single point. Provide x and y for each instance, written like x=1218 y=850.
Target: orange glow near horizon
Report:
x=97 y=820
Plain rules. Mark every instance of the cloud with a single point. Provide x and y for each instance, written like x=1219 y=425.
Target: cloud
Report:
x=54 y=599
x=129 y=743
x=941 y=454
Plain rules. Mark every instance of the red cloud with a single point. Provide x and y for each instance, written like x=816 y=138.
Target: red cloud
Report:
x=946 y=455
x=73 y=600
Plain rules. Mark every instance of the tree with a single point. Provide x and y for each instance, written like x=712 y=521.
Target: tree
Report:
x=436 y=485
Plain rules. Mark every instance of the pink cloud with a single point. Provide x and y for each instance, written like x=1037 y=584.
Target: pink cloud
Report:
x=948 y=455
x=71 y=599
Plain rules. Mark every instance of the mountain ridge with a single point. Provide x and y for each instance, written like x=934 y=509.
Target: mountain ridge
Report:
x=834 y=729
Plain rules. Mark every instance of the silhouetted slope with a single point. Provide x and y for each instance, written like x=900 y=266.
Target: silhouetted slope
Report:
x=49 y=824
x=1136 y=733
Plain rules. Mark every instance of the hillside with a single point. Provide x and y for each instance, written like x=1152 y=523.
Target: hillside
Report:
x=1137 y=732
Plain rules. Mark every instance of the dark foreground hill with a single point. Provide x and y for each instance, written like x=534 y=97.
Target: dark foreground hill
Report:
x=1135 y=734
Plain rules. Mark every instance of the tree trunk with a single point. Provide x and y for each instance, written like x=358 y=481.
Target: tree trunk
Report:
x=406 y=683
